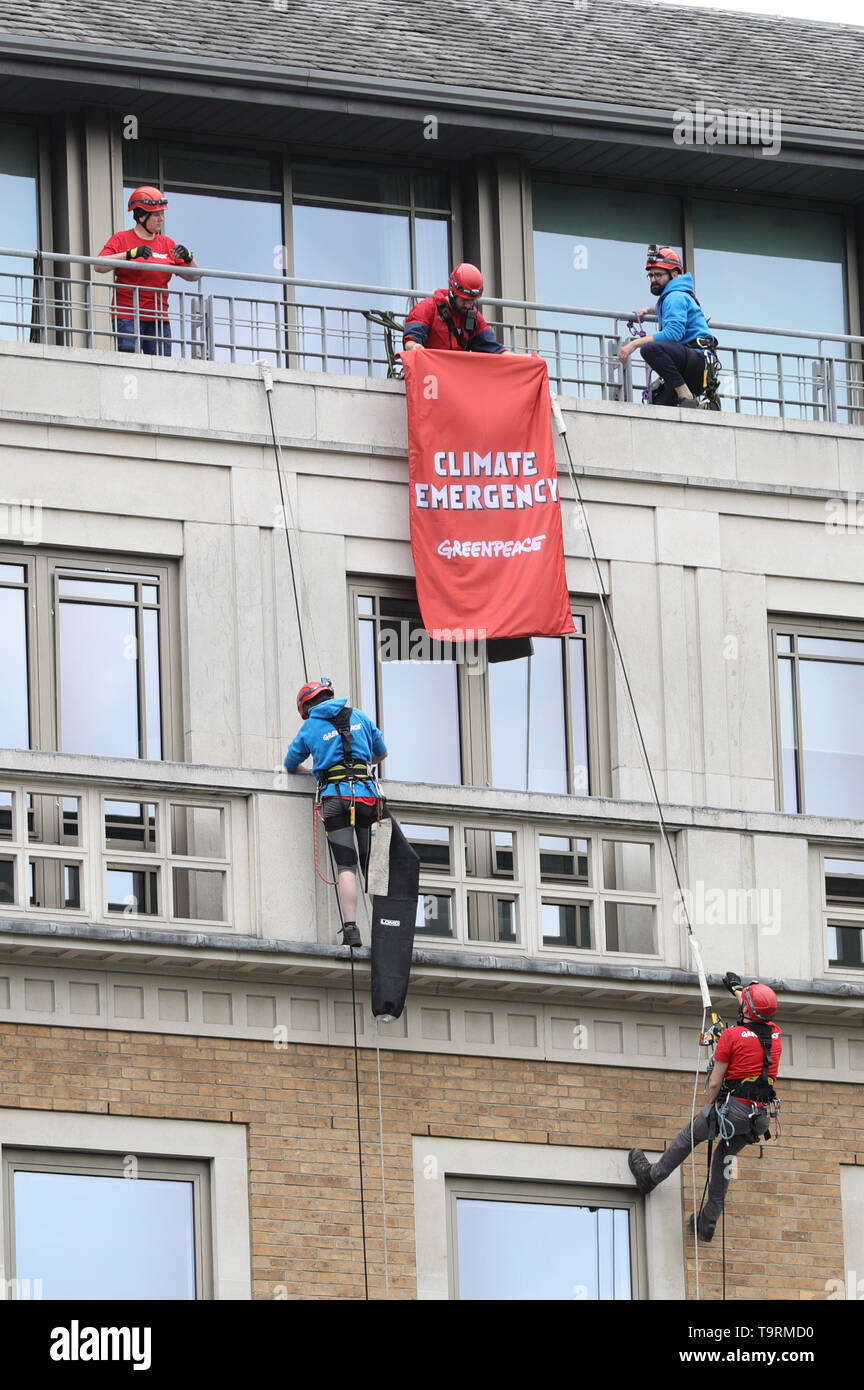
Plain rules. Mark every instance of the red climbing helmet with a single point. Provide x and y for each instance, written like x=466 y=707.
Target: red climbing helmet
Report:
x=466 y=279
x=759 y=1001
x=147 y=199
x=663 y=258
x=307 y=693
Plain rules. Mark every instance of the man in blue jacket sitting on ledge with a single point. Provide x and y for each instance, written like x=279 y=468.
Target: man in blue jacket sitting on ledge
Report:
x=673 y=352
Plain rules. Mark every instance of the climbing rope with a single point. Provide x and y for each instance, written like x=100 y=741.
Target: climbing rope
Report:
x=661 y=819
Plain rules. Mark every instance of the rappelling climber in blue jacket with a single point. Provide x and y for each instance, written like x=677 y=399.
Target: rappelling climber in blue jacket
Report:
x=676 y=351
x=342 y=743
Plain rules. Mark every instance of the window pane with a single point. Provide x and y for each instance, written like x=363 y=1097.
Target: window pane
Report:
x=832 y=697
x=91 y=1237
x=152 y=684
x=784 y=642
x=150 y=593
x=7 y=881
x=130 y=825
x=844 y=881
x=567 y=924
x=365 y=606
x=7 y=823
x=431 y=843
x=12 y=574
x=630 y=927
x=199 y=895
x=627 y=866
x=563 y=859
x=223 y=169
x=96 y=588
x=366 y=642
x=132 y=890
x=432 y=240
x=98 y=680
x=845 y=946
x=54 y=884
x=431 y=190
x=353 y=183
x=197 y=831
x=542 y=1251
x=788 y=736
x=831 y=646
x=527 y=725
x=434 y=915
x=52 y=820
x=491 y=918
x=580 y=780
x=489 y=853
x=14 y=711
x=19 y=199
x=421 y=696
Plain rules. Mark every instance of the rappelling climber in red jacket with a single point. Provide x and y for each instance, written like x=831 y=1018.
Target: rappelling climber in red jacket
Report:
x=450 y=319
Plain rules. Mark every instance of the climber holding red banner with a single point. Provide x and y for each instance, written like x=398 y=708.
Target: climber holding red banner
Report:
x=485 y=513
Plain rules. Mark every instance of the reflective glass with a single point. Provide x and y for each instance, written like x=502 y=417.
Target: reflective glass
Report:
x=352 y=183
x=420 y=710
x=529 y=751
x=152 y=683
x=788 y=735
x=98 y=680
x=54 y=884
x=844 y=881
x=198 y=831
x=580 y=778
x=563 y=859
x=150 y=593
x=630 y=927
x=434 y=915
x=199 y=895
x=488 y=854
x=431 y=843
x=845 y=946
x=432 y=249
x=132 y=890
x=491 y=918
x=832 y=697
x=130 y=825
x=7 y=808
x=12 y=574
x=7 y=881
x=365 y=606
x=96 y=588
x=19 y=200
x=366 y=643
x=542 y=1251
x=567 y=924
x=250 y=169
x=831 y=646
x=52 y=820
x=14 y=708
x=784 y=642
x=91 y=1237
x=627 y=866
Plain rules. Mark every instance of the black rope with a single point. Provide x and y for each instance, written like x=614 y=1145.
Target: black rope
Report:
x=356 y=1084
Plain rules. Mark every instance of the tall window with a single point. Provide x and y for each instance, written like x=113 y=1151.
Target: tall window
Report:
x=530 y=1241
x=820 y=733
x=87 y=657
x=19 y=200
x=448 y=716
x=363 y=226
x=80 y=1229
x=844 y=911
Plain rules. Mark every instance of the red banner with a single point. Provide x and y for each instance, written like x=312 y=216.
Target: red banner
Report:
x=485 y=514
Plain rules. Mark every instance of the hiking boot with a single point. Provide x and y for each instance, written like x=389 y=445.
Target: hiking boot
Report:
x=351 y=935
x=705 y=1227
x=640 y=1167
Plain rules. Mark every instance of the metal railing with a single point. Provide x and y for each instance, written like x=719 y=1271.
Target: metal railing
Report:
x=318 y=325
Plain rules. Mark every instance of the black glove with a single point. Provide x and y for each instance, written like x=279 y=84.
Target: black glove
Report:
x=139 y=253
x=732 y=981
x=182 y=254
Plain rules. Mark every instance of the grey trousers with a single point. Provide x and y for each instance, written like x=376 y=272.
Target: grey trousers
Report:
x=738 y=1115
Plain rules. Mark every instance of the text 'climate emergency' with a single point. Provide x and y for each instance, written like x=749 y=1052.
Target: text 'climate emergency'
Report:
x=509 y=496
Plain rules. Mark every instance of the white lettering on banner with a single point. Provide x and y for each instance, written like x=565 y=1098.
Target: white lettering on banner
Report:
x=492 y=497
x=486 y=550
x=474 y=465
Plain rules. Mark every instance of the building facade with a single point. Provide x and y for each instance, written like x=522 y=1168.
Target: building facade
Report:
x=172 y=1004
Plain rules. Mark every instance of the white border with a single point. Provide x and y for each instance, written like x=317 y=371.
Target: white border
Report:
x=483 y=1158
x=223 y=1145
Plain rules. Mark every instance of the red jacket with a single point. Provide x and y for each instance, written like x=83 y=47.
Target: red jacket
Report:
x=426 y=326
x=740 y=1047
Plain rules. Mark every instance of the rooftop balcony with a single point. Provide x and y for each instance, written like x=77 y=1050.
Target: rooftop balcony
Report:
x=349 y=329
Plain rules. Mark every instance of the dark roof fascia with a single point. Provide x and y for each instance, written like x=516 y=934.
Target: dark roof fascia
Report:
x=555 y=117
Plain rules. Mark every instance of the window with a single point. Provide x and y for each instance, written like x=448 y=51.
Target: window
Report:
x=450 y=717
x=122 y=1207
x=103 y=855
x=88 y=665
x=363 y=226
x=819 y=738
x=108 y=1226
x=528 y=1241
x=844 y=908
x=19 y=199
x=539 y=890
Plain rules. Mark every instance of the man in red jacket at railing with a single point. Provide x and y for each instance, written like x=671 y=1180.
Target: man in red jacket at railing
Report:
x=741 y=1100
x=450 y=319
x=143 y=251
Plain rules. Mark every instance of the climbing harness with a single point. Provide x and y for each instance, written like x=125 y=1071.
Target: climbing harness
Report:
x=708 y=393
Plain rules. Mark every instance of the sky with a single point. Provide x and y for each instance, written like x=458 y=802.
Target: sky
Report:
x=835 y=11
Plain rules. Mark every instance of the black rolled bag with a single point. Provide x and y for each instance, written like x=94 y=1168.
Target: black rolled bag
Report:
x=393 y=882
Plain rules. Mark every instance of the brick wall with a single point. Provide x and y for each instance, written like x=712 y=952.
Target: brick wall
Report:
x=784 y=1228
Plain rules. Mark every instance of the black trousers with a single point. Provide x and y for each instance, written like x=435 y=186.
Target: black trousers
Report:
x=676 y=365
x=336 y=811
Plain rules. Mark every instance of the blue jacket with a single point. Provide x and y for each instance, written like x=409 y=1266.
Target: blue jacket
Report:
x=678 y=315
x=319 y=738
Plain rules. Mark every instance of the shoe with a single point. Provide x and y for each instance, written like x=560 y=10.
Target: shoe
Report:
x=705 y=1227
x=640 y=1167
x=351 y=935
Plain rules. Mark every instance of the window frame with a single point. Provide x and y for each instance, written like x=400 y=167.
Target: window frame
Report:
x=838 y=916
x=798 y=627
x=84 y=1163
x=44 y=570
x=547 y=1194
x=475 y=743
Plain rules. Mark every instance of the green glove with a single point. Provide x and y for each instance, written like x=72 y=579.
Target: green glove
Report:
x=139 y=253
